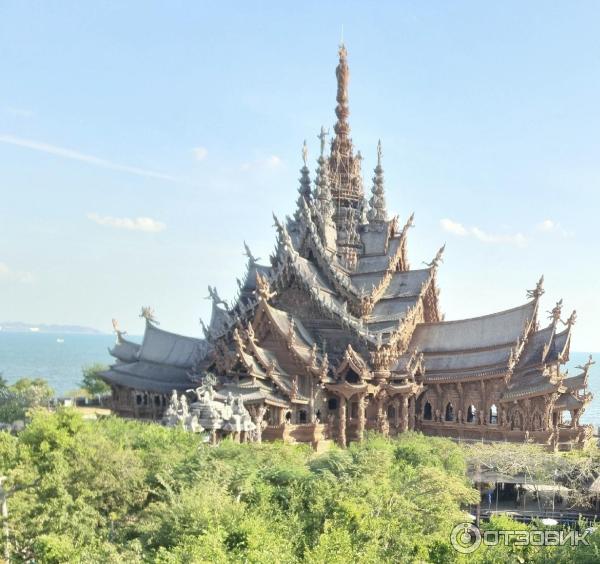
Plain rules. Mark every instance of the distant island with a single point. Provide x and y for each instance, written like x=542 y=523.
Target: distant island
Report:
x=20 y=327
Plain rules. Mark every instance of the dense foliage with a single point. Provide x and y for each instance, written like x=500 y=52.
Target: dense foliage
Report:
x=91 y=381
x=122 y=491
x=16 y=399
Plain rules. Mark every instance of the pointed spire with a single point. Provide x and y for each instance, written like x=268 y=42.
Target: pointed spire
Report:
x=322 y=190
x=304 y=191
x=378 y=212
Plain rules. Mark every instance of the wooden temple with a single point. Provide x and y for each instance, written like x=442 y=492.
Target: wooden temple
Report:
x=338 y=335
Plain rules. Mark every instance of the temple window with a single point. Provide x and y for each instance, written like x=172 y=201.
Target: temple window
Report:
x=138 y=399
x=302 y=416
x=493 y=415
x=427 y=412
x=352 y=377
x=354 y=410
x=332 y=404
x=157 y=400
x=449 y=412
x=145 y=399
x=471 y=414
x=391 y=412
x=516 y=423
x=288 y=416
x=565 y=417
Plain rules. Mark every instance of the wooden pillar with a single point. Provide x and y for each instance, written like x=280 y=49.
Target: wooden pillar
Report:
x=342 y=422
x=412 y=405
x=361 y=417
x=383 y=424
x=396 y=413
x=405 y=414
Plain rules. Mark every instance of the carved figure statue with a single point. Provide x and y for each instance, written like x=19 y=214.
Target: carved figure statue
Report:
x=322 y=138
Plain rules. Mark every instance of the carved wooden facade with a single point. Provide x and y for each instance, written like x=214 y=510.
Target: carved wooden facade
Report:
x=338 y=335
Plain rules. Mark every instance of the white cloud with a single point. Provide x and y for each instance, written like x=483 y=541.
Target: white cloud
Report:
x=459 y=229
x=132 y=224
x=272 y=162
x=550 y=226
x=546 y=225
x=8 y=274
x=513 y=239
x=77 y=156
x=200 y=153
x=453 y=227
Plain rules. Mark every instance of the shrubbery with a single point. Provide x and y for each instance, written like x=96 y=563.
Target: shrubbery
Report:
x=123 y=491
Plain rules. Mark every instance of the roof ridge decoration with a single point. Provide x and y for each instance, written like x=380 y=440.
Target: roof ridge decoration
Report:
x=556 y=312
x=571 y=320
x=585 y=368
x=252 y=260
x=118 y=332
x=437 y=259
x=538 y=291
x=148 y=314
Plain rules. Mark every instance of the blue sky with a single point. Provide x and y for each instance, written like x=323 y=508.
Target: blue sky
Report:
x=142 y=142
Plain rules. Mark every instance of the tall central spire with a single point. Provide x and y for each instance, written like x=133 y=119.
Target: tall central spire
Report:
x=342 y=111
x=344 y=170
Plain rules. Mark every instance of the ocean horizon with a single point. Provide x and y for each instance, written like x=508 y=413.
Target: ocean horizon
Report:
x=60 y=358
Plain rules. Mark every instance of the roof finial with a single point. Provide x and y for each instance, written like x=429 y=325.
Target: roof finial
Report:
x=538 y=291
x=252 y=260
x=342 y=36
x=147 y=313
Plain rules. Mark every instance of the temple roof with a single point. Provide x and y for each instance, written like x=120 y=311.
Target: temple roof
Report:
x=148 y=376
x=163 y=347
x=574 y=383
x=125 y=350
x=568 y=401
x=489 y=331
x=533 y=384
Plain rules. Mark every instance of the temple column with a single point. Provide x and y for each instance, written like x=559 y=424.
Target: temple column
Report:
x=383 y=424
x=342 y=422
x=411 y=412
x=311 y=403
x=484 y=404
x=405 y=414
x=361 y=417
x=396 y=413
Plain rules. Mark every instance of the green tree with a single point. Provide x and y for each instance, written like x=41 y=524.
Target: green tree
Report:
x=91 y=381
x=16 y=399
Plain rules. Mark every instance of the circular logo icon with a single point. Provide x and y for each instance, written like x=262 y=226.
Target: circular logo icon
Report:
x=465 y=538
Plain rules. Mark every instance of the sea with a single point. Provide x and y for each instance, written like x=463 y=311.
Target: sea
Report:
x=59 y=359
